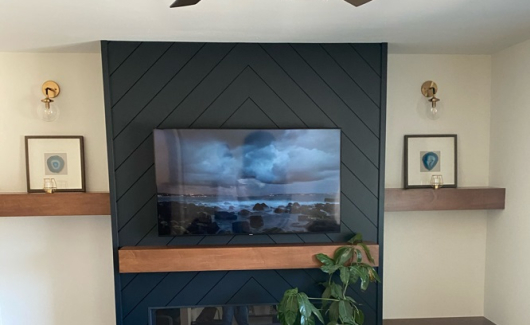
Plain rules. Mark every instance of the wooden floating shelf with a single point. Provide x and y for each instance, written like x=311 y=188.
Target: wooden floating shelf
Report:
x=57 y=204
x=486 y=198
x=226 y=258
x=396 y=199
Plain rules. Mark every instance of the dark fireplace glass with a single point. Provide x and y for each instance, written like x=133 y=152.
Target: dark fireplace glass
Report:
x=220 y=315
x=227 y=182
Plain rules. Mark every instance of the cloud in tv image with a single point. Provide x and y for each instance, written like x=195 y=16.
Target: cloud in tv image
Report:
x=247 y=181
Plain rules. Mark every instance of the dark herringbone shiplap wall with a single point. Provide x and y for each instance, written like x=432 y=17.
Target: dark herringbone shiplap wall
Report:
x=223 y=85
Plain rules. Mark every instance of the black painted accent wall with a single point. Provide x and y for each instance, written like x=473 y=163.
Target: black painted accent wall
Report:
x=152 y=85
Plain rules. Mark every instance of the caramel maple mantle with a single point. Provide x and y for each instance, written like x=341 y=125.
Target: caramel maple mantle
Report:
x=226 y=258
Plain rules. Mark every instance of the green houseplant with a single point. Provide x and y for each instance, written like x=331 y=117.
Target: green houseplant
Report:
x=336 y=308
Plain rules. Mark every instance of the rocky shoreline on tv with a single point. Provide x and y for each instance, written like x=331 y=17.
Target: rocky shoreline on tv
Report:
x=226 y=182
x=181 y=218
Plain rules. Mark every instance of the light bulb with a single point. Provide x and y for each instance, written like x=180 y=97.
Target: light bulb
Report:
x=48 y=112
x=434 y=113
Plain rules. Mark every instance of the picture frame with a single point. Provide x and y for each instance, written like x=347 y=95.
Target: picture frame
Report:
x=430 y=155
x=58 y=157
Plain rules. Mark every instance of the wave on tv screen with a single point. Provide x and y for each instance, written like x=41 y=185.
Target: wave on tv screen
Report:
x=226 y=182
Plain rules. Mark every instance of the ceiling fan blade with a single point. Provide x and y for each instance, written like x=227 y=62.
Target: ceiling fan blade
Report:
x=357 y=3
x=182 y=3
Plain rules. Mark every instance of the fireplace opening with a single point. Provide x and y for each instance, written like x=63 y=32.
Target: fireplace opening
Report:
x=216 y=315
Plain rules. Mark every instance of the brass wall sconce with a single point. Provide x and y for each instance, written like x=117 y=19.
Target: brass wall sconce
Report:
x=49 y=112
x=429 y=89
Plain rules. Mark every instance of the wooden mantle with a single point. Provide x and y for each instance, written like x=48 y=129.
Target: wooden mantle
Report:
x=485 y=198
x=226 y=258
x=57 y=204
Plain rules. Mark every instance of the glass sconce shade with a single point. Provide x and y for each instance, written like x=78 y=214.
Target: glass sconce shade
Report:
x=48 y=111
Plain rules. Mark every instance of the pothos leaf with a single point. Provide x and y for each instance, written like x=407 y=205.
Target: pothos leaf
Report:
x=311 y=321
x=351 y=299
x=367 y=252
x=291 y=292
x=288 y=317
x=343 y=255
x=344 y=275
x=354 y=274
x=336 y=290
x=317 y=313
x=374 y=276
x=334 y=312
x=304 y=305
x=324 y=259
x=345 y=312
x=325 y=295
x=304 y=320
x=359 y=255
x=288 y=308
x=330 y=269
x=358 y=238
x=359 y=316
x=365 y=279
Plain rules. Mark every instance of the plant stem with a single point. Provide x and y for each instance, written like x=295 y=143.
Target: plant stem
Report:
x=328 y=299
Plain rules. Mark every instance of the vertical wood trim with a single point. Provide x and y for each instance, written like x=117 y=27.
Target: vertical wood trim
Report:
x=112 y=179
x=382 y=151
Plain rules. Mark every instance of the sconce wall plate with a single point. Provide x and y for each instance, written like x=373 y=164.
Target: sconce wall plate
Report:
x=51 y=89
x=429 y=88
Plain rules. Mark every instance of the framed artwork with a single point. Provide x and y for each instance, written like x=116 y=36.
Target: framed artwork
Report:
x=57 y=157
x=430 y=155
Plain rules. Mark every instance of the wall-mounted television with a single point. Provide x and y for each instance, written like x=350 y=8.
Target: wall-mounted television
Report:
x=226 y=182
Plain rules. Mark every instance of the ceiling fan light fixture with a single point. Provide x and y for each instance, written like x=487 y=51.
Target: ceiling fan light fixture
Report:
x=183 y=3
x=357 y=3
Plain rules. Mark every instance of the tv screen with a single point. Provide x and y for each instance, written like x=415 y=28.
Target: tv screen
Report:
x=222 y=182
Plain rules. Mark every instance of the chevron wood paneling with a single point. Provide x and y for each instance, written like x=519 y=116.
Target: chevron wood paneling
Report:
x=226 y=85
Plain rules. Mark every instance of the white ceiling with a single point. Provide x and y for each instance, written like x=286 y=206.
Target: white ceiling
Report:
x=410 y=26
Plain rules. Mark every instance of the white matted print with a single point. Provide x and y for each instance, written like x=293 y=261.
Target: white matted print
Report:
x=428 y=155
x=58 y=157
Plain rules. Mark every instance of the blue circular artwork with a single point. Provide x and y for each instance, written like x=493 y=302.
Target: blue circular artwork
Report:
x=430 y=160
x=55 y=164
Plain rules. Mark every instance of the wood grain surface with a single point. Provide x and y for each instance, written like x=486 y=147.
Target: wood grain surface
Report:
x=486 y=198
x=57 y=204
x=226 y=258
x=396 y=199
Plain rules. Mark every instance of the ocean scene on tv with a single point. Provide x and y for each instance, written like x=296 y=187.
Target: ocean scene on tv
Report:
x=215 y=182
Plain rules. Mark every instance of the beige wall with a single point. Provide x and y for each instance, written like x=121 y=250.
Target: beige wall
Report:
x=435 y=261
x=508 y=245
x=54 y=270
x=59 y=270
x=80 y=102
